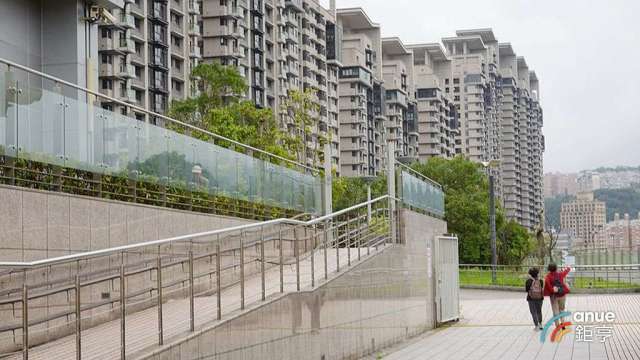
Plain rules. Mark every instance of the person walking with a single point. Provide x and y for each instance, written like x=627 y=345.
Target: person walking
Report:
x=535 y=296
x=556 y=289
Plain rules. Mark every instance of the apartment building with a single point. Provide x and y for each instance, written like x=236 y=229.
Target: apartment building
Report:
x=400 y=102
x=280 y=46
x=361 y=102
x=437 y=115
x=522 y=141
x=560 y=184
x=583 y=218
x=620 y=233
x=146 y=56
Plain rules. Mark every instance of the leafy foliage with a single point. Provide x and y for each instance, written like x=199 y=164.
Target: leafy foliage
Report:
x=466 y=190
x=220 y=109
x=347 y=191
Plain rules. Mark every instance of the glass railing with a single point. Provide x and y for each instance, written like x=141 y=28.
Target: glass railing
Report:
x=41 y=122
x=421 y=194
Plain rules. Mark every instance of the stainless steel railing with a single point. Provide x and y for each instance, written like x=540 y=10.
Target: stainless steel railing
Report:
x=70 y=295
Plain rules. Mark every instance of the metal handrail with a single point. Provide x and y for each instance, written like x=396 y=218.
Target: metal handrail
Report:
x=541 y=266
x=94 y=253
x=151 y=113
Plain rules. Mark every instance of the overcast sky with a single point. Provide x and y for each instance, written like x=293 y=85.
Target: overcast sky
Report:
x=585 y=53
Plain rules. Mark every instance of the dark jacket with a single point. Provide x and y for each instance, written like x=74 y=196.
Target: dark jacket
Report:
x=527 y=286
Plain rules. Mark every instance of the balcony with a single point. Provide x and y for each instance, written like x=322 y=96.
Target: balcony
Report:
x=194 y=7
x=126 y=71
x=194 y=29
x=295 y=5
x=126 y=45
x=195 y=52
x=128 y=95
x=126 y=21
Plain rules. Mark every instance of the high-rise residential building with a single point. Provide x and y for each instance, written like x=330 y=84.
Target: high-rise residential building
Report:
x=362 y=95
x=583 y=218
x=522 y=141
x=437 y=116
x=146 y=56
x=397 y=74
x=280 y=46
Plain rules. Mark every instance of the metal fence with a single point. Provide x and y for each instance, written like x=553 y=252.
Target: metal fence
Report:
x=585 y=277
x=212 y=273
x=607 y=255
x=47 y=124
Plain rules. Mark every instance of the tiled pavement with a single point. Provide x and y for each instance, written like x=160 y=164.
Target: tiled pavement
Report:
x=497 y=325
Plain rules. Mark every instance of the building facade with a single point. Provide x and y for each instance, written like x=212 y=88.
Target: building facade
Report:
x=583 y=218
x=560 y=184
x=620 y=233
x=281 y=46
x=437 y=115
x=146 y=56
x=361 y=90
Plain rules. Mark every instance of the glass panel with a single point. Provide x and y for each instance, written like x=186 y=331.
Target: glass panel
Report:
x=422 y=194
x=79 y=136
x=153 y=164
x=8 y=114
x=179 y=167
x=40 y=124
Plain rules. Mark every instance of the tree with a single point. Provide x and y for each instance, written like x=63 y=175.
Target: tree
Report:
x=300 y=107
x=466 y=189
x=220 y=109
x=347 y=191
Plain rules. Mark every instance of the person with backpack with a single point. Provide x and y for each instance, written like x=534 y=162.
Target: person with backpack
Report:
x=556 y=289
x=535 y=296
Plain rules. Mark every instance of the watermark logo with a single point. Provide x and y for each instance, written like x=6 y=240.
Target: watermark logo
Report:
x=560 y=331
x=589 y=326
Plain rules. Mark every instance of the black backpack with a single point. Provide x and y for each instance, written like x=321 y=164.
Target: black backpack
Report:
x=557 y=283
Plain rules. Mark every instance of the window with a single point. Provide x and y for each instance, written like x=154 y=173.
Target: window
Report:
x=107 y=59
x=107 y=84
x=223 y=21
x=106 y=33
x=446 y=81
x=456 y=81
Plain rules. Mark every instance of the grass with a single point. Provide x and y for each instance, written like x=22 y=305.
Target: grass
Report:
x=513 y=278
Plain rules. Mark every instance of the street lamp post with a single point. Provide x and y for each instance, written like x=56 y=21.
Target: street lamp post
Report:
x=492 y=218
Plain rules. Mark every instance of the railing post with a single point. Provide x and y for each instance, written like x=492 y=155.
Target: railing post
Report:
x=241 y=272
x=25 y=320
x=262 y=260
x=337 y=243
x=218 y=294
x=280 y=255
x=123 y=341
x=159 y=286
x=348 y=243
x=192 y=318
x=359 y=241
x=326 y=243
x=297 y=253
x=391 y=189
x=313 y=279
x=78 y=320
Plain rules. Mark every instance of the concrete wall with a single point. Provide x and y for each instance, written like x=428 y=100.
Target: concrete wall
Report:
x=39 y=224
x=382 y=301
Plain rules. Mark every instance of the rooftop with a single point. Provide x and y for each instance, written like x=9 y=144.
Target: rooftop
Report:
x=486 y=34
x=394 y=46
x=355 y=18
x=474 y=42
x=435 y=50
x=506 y=49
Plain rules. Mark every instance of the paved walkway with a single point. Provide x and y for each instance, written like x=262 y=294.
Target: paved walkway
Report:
x=497 y=325
x=103 y=341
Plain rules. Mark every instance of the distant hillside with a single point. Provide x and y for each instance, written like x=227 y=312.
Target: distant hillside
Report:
x=622 y=201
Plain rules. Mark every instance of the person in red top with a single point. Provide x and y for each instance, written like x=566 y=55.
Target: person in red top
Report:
x=556 y=289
